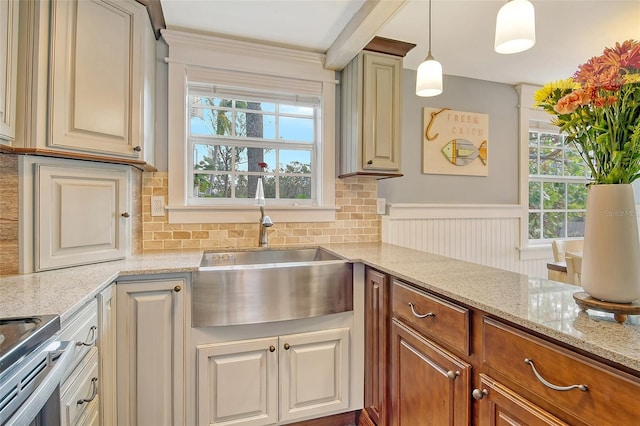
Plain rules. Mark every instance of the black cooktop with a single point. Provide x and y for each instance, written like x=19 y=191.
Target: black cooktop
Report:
x=21 y=335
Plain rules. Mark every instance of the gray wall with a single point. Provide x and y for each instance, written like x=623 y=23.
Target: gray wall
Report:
x=500 y=102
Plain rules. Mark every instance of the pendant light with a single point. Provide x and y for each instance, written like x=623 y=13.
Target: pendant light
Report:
x=429 y=74
x=515 y=27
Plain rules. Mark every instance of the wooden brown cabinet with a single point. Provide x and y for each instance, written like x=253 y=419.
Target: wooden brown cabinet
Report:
x=376 y=358
x=429 y=385
x=447 y=363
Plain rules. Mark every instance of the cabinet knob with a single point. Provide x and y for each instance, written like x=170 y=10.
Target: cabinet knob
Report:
x=137 y=148
x=177 y=289
x=452 y=374
x=272 y=348
x=370 y=162
x=478 y=394
x=125 y=215
x=286 y=346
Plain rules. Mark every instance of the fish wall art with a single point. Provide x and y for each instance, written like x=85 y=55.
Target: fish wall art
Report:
x=455 y=142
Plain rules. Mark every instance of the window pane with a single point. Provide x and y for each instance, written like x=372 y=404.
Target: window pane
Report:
x=295 y=187
x=211 y=122
x=255 y=105
x=554 y=225
x=296 y=129
x=551 y=161
x=212 y=157
x=533 y=161
x=576 y=196
x=573 y=163
x=242 y=187
x=575 y=224
x=294 y=161
x=255 y=125
x=553 y=195
x=212 y=186
x=535 y=195
x=549 y=139
x=297 y=110
x=534 y=226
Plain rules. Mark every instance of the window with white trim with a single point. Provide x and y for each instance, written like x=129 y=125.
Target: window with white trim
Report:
x=238 y=136
x=558 y=180
x=233 y=104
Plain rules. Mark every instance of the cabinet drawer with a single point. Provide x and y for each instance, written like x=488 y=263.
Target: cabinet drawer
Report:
x=435 y=318
x=80 y=390
x=82 y=328
x=609 y=394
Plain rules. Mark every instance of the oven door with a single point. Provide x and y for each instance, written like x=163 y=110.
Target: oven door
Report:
x=30 y=393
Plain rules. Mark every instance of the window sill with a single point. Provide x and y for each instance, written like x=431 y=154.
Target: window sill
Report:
x=536 y=252
x=250 y=214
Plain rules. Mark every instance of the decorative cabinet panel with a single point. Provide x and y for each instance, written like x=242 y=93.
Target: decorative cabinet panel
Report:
x=95 y=68
x=82 y=214
x=150 y=362
x=371 y=85
x=238 y=381
x=274 y=379
x=429 y=385
x=8 y=68
x=376 y=340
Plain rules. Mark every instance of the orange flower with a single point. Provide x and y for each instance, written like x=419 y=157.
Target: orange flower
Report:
x=569 y=103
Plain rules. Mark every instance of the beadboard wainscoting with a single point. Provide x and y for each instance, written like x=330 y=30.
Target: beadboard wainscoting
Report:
x=484 y=234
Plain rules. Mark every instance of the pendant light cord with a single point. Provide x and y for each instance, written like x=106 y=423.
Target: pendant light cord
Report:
x=429 y=56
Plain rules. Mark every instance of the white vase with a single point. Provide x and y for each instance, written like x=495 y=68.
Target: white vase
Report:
x=611 y=253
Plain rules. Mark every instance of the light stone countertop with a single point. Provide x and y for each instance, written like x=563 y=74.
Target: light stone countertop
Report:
x=543 y=306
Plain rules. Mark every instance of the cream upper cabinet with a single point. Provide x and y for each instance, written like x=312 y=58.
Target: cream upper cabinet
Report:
x=8 y=68
x=82 y=213
x=95 y=66
x=371 y=85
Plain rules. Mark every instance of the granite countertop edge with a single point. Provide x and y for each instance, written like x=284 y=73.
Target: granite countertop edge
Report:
x=64 y=291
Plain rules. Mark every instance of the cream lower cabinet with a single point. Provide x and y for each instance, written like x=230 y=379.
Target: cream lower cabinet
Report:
x=273 y=380
x=149 y=356
x=107 y=360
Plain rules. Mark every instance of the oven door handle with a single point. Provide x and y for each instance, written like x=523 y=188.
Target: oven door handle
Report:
x=61 y=359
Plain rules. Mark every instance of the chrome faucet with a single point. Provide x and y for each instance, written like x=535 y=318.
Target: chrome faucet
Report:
x=265 y=222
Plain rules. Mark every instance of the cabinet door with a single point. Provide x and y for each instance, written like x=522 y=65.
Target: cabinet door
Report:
x=8 y=68
x=498 y=405
x=82 y=214
x=97 y=76
x=429 y=386
x=107 y=347
x=149 y=358
x=376 y=343
x=314 y=373
x=381 y=112
x=238 y=383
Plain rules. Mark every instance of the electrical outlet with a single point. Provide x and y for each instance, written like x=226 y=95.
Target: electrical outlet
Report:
x=157 y=205
x=381 y=206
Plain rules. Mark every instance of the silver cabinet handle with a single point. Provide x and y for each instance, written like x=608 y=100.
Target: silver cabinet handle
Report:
x=92 y=333
x=417 y=315
x=542 y=380
x=478 y=394
x=94 y=392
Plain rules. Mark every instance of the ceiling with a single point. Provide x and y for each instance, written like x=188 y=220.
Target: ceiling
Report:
x=568 y=32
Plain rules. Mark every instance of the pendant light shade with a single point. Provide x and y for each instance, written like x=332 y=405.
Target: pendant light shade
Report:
x=429 y=74
x=515 y=27
x=429 y=77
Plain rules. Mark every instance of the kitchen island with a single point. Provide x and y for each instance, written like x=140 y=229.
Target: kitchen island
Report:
x=536 y=304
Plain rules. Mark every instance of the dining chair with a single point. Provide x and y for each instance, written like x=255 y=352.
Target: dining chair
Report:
x=574 y=266
x=559 y=248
